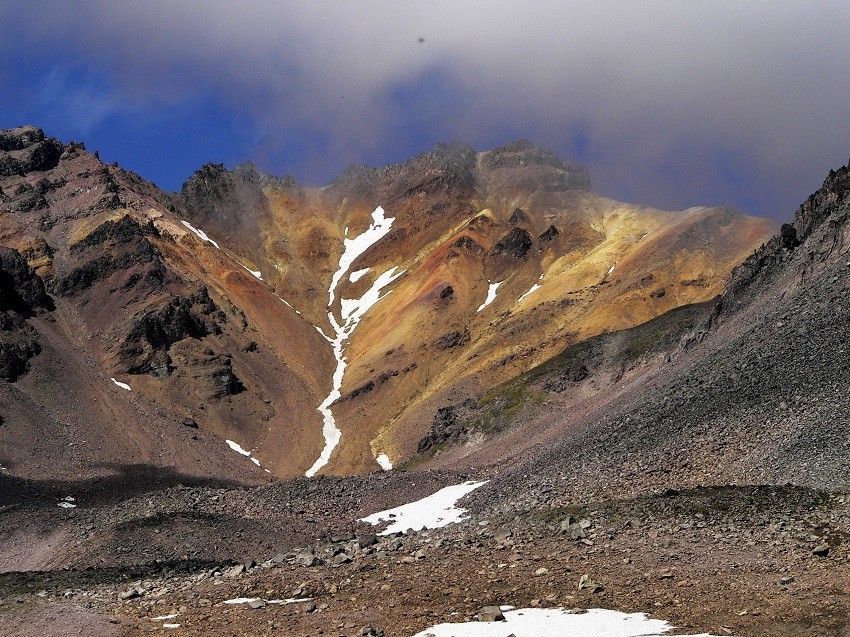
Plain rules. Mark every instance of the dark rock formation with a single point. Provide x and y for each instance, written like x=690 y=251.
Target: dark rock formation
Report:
x=145 y=348
x=25 y=149
x=115 y=247
x=22 y=295
x=469 y=244
x=21 y=291
x=452 y=339
x=518 y=216
x=516 y=243
x=448 y=428
x=550 y=233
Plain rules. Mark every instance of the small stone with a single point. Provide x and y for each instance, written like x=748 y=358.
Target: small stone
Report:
x=541 y=571
x=821 y=550
x=491 y=614
x=132 y=593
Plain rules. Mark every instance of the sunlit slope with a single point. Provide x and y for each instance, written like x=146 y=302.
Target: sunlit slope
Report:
x=514 y=230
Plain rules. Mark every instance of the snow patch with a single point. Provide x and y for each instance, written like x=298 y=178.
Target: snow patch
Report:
x=355 y=276
x=68 y=502
x=238 y=449
x=247 y=600
x=164 y=618
x=351 y=312
x=491 y=295
x=558 y=622
x=289 y=305
x=171 y=626
x=257 y=274
x=531 y=290
x=432 y=512
x=611 y=269
x=353 y=248
x=384 y=461
x=121 y=385
x=200 y=233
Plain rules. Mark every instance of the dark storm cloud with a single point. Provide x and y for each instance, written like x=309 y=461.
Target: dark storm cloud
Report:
x=669 y=103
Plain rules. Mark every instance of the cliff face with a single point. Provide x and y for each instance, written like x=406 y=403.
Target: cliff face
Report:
x=245 y=302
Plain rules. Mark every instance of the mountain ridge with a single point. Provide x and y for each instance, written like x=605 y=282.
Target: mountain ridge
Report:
x=221 y=291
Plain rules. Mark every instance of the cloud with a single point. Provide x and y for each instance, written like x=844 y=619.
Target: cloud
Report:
x=83 y=99
x=674 y=103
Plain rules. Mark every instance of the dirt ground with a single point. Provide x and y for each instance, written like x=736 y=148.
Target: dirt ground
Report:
x=746 y=561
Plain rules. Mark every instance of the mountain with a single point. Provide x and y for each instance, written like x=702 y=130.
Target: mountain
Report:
x=311 y=329
x=747 y=389
x=657 y=426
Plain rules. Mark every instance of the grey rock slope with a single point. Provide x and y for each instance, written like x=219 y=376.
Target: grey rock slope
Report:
x=756 y=395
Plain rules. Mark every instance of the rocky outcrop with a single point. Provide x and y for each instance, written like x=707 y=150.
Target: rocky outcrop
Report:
x=117 y=247
x=22 y=295
x=449 y=428
x=535 y=168
x=25 y=149
x=453 y=339
x=229 y=200
x=819 y=230
x=145 y=348
x=518 y=216
x=516 y=244
x=468 y=244
x=548 y=235
x=21 y=291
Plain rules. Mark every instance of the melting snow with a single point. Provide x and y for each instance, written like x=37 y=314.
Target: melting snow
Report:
x=491 y=295
x=201 y=234
x=238 y=449
x=351 y=311
x=248 y=600
x=68 y=502
x=611 y=269
x=531 y=290
x=557 y=622
x=384 y=461
x=171 y=625
x=353 y=248
x=432 y=512
x=164 y=618
x=121 y=385
x=289 y=305
x=355 y=276
x=257 y=274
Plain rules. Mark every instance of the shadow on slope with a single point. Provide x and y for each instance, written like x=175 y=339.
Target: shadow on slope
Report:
x=127 y=480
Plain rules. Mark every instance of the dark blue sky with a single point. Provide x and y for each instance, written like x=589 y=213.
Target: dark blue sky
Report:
x=668 y=105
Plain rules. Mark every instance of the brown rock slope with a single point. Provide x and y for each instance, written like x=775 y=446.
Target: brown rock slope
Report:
x=569 y=264
x=484 y=265
x=209 y=352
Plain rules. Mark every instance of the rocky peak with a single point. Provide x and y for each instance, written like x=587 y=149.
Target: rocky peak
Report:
x=523 y=156
x=26 y=149
x=833 y=195
x=818 y=236
x=20 y=138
